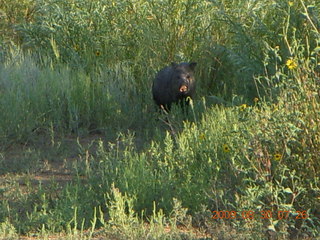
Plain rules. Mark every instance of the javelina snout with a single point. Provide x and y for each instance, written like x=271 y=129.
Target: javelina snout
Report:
x=173 y=84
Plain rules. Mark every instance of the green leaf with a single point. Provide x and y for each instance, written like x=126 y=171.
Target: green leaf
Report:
x=288 y=190
x=271 y=228
x=317 y=49
x=288 y=151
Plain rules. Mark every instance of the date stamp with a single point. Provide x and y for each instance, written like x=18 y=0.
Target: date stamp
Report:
x=267 y=214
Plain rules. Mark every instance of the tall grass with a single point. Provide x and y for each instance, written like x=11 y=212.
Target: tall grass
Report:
x=36 y=99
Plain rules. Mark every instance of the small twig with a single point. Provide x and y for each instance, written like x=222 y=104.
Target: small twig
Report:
x=285 y=33
x=168 y=123
x=164 y=110
x=308 y=17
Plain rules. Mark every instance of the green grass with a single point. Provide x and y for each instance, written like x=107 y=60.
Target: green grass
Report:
x=84 y=154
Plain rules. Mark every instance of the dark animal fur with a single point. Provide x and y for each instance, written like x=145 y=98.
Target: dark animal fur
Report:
x=174 y=84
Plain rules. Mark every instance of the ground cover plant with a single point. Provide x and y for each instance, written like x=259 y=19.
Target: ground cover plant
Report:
x=85 y=153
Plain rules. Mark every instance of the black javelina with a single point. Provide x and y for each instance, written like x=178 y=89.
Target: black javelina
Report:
x=174 y=84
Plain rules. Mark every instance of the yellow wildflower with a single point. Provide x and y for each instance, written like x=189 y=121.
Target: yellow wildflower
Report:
x=291 y=64
x=98 y=53
x=277 y=157
x=202 y=137
x=226 y=148
x=256 y=99
x=243 y=107
x=76 y=47
x=290 y=3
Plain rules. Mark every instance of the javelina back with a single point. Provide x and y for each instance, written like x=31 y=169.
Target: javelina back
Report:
x=174 y=84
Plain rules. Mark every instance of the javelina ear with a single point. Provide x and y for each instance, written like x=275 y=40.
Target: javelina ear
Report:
x=173 y=64
x=192 y=65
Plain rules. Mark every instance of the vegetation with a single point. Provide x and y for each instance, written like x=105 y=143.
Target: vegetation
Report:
x=84 y=154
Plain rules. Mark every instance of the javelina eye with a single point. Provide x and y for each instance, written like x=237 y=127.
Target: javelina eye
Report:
x=188 y=76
